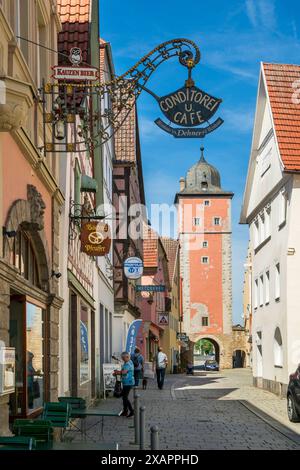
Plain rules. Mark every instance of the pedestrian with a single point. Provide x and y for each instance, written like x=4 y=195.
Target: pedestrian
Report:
x=161 y=362
x=127 y=374
x=138 y=362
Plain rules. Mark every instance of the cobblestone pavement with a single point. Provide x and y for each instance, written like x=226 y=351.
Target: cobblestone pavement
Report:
x=207 y=412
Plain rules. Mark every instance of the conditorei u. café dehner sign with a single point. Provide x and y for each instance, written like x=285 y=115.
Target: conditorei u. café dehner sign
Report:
x=187 y=108
x=95 y=238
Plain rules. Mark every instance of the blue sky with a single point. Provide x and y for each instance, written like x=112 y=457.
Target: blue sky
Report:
x=233 y=36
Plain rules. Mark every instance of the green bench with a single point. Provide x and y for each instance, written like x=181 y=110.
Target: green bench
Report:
x=17 y=443
x=38 y=429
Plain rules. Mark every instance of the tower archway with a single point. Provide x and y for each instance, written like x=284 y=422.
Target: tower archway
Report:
x=208 y=346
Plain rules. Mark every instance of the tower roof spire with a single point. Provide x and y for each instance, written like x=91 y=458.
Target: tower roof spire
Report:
x=202 y=159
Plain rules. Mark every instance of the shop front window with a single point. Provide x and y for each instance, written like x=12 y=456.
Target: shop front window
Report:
x=35 y=356
x=27 y=322
x=23 y=257
x=84 y=345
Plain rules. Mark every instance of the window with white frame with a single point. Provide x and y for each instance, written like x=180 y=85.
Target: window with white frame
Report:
x=205 y=260
x=278 y=348
x=204 y=321
x=261 y=290
x=282 y=207
x=205 y=244
x=256 y=233
x=207 y=203
x=197 y=221
x=265 y=162
x=268 y=221
x=277 y=281
x=217 y=220
x=267 y=287
x=255 y=293
x=262 y=233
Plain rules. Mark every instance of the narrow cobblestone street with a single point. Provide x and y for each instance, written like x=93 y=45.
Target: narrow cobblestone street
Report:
x=207 y=412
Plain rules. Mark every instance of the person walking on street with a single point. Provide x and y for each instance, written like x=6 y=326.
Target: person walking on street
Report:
x=161 y=361
x=127 y=373
x=138 y=362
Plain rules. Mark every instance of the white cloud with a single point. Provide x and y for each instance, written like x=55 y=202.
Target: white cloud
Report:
x=261 y=13
x=251 y=12
x=239 y=120
x=148 y=129
x=267 y=13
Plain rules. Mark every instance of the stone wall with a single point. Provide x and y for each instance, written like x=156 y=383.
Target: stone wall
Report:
x=227 y=282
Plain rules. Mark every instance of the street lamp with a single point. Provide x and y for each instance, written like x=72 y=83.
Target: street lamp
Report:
x=59 y=133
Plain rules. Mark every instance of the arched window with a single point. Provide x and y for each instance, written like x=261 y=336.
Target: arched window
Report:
x=278 y=349
x=23 y=257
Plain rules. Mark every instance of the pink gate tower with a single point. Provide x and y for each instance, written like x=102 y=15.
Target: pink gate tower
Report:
x=205 y=259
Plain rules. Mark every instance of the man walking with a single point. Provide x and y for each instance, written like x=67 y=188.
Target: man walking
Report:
x=161 y=361
x=138 y=362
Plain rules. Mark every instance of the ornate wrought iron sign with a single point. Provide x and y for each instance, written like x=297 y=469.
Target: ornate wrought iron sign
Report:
x=77 y=119
x=188 y=108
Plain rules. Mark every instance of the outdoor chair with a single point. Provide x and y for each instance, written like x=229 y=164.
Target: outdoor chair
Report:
x=59 y=414
x=17 y=443
x=38 y=429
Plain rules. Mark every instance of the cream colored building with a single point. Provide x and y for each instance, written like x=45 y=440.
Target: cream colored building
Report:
x=271 y=208
x=247 y=307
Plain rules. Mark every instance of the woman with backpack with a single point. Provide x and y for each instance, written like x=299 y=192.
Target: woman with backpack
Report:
x=138 y=362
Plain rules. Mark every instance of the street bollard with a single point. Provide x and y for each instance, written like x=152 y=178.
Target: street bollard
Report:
x=154 y=438
x=142 y=428
x=136 y=418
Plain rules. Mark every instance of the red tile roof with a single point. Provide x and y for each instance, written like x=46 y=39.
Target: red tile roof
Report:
x=73 y=11
x=150 y=248
x=75 y=19
x=171 y=248
x=125 y=137
x=280 y=79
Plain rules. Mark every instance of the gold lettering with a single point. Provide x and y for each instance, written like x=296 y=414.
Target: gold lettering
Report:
x=183 y=119
x=162 y=107
x=177 y=117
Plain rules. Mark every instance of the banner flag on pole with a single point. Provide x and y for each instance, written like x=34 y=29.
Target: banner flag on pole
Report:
x=132 y=336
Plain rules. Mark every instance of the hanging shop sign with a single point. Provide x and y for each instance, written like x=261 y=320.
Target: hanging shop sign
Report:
x=66 y=73
x=163 y=318
x=133 y=267
x=188 y=108
x=95 y=238
x=7 y=370
x=75 y=71
x=150 y=288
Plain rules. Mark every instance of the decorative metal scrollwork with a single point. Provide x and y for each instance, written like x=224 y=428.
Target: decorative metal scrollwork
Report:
x=80 y=117
x=125 y=89
x=80 y=213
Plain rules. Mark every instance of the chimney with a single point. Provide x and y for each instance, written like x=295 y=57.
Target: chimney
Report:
x=182 y=183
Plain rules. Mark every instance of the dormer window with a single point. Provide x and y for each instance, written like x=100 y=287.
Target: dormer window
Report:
x=204 y=185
